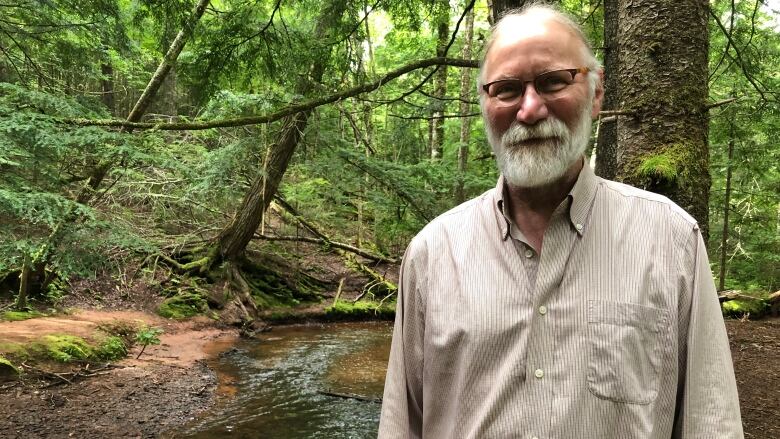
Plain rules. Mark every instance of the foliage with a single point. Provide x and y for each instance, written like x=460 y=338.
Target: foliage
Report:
x=111 y=348
x=146 y=336
x=362 y=171
x=742 y=308
x=752 y=252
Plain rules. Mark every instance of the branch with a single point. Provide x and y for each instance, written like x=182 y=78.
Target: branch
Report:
x=284 y=112
x=443 y=116
x=720 y=103
x=737 y=52
x=339 y=245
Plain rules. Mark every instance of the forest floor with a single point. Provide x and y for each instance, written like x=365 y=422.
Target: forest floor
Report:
x=171 y=383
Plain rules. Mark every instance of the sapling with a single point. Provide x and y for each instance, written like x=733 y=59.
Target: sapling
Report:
x=147 y=335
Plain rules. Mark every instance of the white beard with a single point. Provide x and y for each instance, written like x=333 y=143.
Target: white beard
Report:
x=543 y=161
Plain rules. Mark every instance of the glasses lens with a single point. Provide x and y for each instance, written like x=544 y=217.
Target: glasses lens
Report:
x=506 y=92
x=553 y=82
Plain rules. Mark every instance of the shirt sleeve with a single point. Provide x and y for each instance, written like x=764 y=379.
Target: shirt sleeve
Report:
x=708 y=404
x=402 y=402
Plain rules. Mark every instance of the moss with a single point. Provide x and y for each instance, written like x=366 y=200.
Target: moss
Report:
x=67 y=348
x=14 y=316
x=667 y=166
x=183 y=305
x=740 y=308
x=360 y=310
x=7 y=369
x=64 y=348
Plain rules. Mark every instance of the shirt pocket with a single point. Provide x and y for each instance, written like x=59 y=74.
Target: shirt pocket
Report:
x=624 y=345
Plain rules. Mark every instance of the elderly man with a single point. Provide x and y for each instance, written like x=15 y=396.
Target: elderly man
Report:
x=557 y=305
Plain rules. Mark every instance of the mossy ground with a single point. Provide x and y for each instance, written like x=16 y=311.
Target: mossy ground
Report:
x=15 y=316
x=183 y=305
x=66 y=348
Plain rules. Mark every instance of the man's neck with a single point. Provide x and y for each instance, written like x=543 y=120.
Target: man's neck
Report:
x=532 y=207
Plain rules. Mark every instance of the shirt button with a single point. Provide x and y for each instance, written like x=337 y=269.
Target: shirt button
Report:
x=578 y=227
x=542 y=310
x=529 y=253
x=539 y=373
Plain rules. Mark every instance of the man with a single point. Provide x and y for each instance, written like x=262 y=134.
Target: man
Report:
x=557 y=305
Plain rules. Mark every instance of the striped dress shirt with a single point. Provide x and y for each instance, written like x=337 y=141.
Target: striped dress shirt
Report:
x=613 y=331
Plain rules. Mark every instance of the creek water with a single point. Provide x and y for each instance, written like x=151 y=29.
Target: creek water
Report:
x=271 y=386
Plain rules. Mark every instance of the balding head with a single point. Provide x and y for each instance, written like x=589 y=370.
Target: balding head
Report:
x=531 y=20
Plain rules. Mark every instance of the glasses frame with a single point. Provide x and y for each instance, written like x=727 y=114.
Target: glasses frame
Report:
x=573 y=72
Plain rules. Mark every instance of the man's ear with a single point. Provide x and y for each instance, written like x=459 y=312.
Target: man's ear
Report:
x=598 y=95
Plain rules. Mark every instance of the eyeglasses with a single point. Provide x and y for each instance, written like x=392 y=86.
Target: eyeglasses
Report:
x=509 y=92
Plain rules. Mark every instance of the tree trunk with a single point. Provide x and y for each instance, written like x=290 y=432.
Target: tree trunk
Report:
x=465 y=109
x=24 y=285
x=107 y=83
x=167 y=63
x=663 y=80
x=606 y=144
x=440 y=82
x=232 y=241
x=726 y=207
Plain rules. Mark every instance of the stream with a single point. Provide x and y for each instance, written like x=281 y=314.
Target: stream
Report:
x=271 y=386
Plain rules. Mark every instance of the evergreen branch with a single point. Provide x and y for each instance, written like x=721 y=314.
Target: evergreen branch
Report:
x=284 y=112
x=740 y=61
x=428 y=77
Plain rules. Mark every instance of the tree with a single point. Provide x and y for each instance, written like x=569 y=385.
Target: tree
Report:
x=606 y=143
x=465 y=108
x=662 y=73
x=442 y=21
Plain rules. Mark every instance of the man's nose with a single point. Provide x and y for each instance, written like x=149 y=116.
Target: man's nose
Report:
x=532 y=107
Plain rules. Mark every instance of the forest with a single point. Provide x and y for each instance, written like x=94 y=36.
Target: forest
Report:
x=241 y=159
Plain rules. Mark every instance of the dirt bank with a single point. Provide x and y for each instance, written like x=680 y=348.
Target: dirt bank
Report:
x=166 y=387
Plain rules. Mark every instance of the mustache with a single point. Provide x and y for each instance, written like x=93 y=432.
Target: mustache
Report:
x=548 y=129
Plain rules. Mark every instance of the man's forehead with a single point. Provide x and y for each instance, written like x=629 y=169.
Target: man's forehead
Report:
x=518 y=29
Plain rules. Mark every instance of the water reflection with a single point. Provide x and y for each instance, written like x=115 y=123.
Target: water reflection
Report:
x=277 y=378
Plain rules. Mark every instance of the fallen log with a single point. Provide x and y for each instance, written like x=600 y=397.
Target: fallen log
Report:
x=351 y=396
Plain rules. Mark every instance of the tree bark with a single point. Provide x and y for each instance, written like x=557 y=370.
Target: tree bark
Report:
x=663 y=80
x=465 y=109
x=606 y=144
x=726 y=208
x=440 y=82
x=232 y=241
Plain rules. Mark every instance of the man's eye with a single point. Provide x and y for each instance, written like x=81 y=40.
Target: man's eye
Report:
x=551 y=83
x=507 y=90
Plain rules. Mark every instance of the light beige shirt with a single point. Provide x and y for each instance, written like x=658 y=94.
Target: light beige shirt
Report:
x=613 y=331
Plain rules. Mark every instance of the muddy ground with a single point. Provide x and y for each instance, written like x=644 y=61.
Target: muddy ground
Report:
x=172 y=384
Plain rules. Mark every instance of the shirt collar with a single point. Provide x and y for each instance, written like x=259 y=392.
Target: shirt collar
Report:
x=580 y=200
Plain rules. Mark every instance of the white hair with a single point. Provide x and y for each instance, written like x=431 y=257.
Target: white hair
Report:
x=512 y=17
